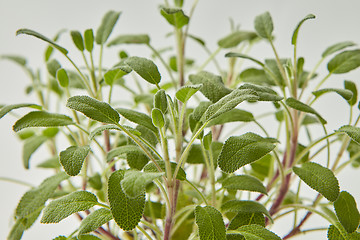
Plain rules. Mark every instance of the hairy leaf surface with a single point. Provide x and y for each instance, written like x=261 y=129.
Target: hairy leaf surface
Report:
x=8 y=108
x=351 y=131
x=244 y=206
x=235 y=38
x=344 y=62
x=347 y=212
x=264 y=25
x=337 y=47
x=234 y=115
x=257 y=232
x=100 y=129
x=130 y=39
x=134 y=182
x=346 y=94
x=95 y=220
x=145 y=68
x=175 y=17
x=152 y=168
x=186 y=92
x=296 y=104
x=73 y=158
x=106 y=26
x=138 y=118
x=242 y=219
x=210 y=223
x=245 y=183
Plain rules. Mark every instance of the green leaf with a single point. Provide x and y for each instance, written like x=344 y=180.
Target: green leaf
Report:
x=155 y=208
x=257 y=232
x=234 y=236
x=344 y=62
x=296 y=31
x=145 y=68
x=52 y=66
x=61 y=208
x=210 y=223
x=107 y=24
x=42 y=119
x=228 y=103
x=95 y=181
x=88 y=237
x=157 y=118
x=160 y=100
x=89 y=40
x=102 y=128
x=78 y=40
x=138 y=118
x=320 y=179
x=152 y=168
x=30 y=146
x=234 y=115
x=126 y=211
x=195 y=155
x=130 y=39
x=255 y=76
x=175 y=17
x=73 y=158
x=62 y=77
x=243 y=206
x=123 y=150
x=241 y=150
x=351 y=86
x=95 y=220
x=264 y=25
x=94 y=109
x=240 y=55
x=244 y=183
x=8 y=108
x=347 y=212
x=346 y=94
x=334 y=234
x=264 y=93
x=134 y=182
x=114 y=74
x=213 y=86
x=337 y=47
x=50 y=163
x=351 y=131
x=17 y=230
x=242 y=219
x=296 y=104
x=35 y=198
x=186 y=92
x=16 y=59
x=235 y=38
x=273 y=72
x=42 y=37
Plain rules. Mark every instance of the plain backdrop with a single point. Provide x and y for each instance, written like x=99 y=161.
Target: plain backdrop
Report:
x=335 y=21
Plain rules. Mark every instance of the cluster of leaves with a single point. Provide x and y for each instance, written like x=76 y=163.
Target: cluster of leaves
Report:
x=166 y=172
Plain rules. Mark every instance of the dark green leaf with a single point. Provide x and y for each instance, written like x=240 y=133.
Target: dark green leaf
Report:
x=89 y=40
x=337 y=47
x=152 y=168
x=61 y=208
x=130 y=39
x=242 y=219
x=8 y=108
x=347 y=212
x=334 y=234
x=346 y=94
x=145 y=68
x=160 y=100
x=155 y=208
x=243 y=206
x=122 y=151
x=296 y=31
x=73 y=158
x=264 y=93
x=95 y=181
x=257 y=232
x=102 y=128
x=95 y=220
x=264 y=25
x=134 y=182
x=233 y=39
x=94 y=109
x=234 y=236
x=78 y=40
x=210 y=223
x=351 y=131
x=344 y=62
x=126 y=211
x=138 y=118
x=244 y=183
x=106 y=26
x=62 y=77
x=175 y=17
x=241 y=150
x=195 y=155
x=115 y=74
x=186 y=92
x=157 y=118
x=262 y=167
x=349 y=85
x=296 y=104
x=30 y=146
x=42 y=37
x=320 y=179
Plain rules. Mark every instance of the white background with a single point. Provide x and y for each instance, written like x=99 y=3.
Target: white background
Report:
x=336 y=21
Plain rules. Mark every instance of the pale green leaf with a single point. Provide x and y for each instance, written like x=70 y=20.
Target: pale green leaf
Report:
x=35 y=198
x=296 y=31
x=145 y=68
x=351 y=86
x=264 y=93
x=95 y=220
x=122 y=151
x=134 y=182
x=210 y=223
x=73 y=158
x=244 y=206
x=264 y=25
x=186 y=92
x=351 y=131
x=175 y=17
x=337 y=47
x=244 y=183
x=50 y=163
x=213 y=86
x=273 y=72
x=63 y=207
x=89 y=40
x=344 y=62
x=100 y=129
x=160 y=100
x=347 y=212
x=138 y=118
x=126 y=211
x=235 y=38
x=257 y=232
x=30 y=146
x=296 y=104
x=115 y=73
x=320 y=179
x=6 y=109
x=255 y=76
x=95 y=181
x=17 y=230
x=42 y=37
x=78 y=40
x=52 y=66
x=16 y=59
x=106 y=26
x=157 y=118
x=234 y=115
x=240 y=55
x=242 y=219
x=155 y=209
x=346 y=94
x=62 y=77
x=130 y=39
x=241 y=150
x=94 y=109
x=152 y=168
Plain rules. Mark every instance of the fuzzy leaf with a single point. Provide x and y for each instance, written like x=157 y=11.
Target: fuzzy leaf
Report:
x=152 y=168
x=320 y=179
x=234 y=236
x=42 y=119
x=138 y=118
x=264 y=25
x=122 y=150
x=160 y=100
x=346 y=94
x=257 y=232
x=95 y=220
x=351 y=131
x=337 y=47
x=157 y=118
x=106 y=27
x=130 y=39
x=296 y=31
x=344 y=62
x=351 y=86
x=30 y=146
x=35 y=198
x=242 y=219
x=234 y=115
x=126 y=211
x=88 y=237
x=61 y=208
x=296 y=104
x=210 y=223
x=265 y=93
x=78 y=40
x=175 y=17
x=255 y=76
x=241 y=150
x=17 y=230
x=73 y=158
x=186 y=92
x=42 y=37
x=235 y=38
x=89 y=40
x=145 y=68
x=100 y=129
x=240 y=55
x=213 y=86
x=245 y=183
x=114 y=74
x=8 y=108
x=334 y=234
x=94 y=109
x=244 y=206
x=347 y=212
